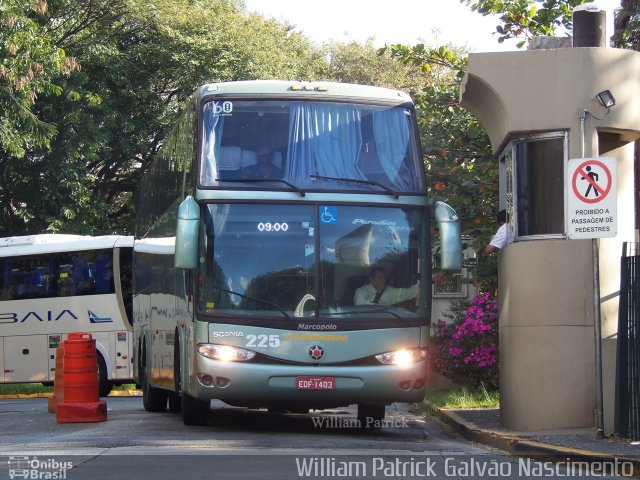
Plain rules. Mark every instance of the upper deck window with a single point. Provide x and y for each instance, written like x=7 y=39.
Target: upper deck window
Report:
x=312 y=145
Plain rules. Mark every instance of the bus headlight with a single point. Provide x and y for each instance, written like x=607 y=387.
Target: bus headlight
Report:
x=402 y=357
x=225 y=353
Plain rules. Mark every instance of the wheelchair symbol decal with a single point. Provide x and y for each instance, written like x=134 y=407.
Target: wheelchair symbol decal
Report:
x=328 y=214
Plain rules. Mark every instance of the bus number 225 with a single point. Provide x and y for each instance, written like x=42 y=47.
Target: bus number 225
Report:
x=263 y=341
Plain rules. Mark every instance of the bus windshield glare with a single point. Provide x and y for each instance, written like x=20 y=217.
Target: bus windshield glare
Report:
x=312 y=145
x=314 y=260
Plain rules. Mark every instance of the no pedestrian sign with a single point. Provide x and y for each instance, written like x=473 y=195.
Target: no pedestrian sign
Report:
x=592 y=198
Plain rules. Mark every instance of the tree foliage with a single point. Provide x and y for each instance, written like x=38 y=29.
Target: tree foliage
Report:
x=627 y=25
x=526 y=18
x=353 y=62
x=29 y=66
x=139 y=61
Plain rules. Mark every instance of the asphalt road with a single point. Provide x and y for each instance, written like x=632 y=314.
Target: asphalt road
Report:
x=238 y=443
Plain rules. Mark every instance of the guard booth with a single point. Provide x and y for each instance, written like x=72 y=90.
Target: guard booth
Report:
x=540 y=110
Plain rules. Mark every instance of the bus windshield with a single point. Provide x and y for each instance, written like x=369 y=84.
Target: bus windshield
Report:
x=312 y=145
x=315 y=261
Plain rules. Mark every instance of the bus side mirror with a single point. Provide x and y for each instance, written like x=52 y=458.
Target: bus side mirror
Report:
x=450 y=238
x=187 y=234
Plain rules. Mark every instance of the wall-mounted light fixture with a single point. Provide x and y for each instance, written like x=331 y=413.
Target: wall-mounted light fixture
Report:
x=605 y=98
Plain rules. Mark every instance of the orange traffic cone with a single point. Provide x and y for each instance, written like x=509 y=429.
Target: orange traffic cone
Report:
x=58 y=381
x=81 y=403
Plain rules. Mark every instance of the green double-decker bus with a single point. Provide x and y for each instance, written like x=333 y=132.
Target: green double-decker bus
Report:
x=283 y=253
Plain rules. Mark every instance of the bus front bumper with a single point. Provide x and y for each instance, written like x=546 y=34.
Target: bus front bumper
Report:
x=256 y=385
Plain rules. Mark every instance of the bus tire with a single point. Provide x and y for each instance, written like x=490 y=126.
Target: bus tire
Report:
x=153 y=399
x=177 y=380
x=175 y=402
x=104 y=384
x=370 y=416
x=194 y=411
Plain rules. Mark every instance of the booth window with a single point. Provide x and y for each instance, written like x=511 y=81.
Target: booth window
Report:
x=533 y=168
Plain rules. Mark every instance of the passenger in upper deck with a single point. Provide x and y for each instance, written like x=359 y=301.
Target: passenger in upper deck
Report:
x=264 y=168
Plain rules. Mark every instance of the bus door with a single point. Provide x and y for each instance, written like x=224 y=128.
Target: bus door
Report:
x=24 y=356
x=122 y=348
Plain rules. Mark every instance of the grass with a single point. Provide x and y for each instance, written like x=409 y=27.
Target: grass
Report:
x=24 y=389
x=463 y=398
x=124 y=387
x=34 y=388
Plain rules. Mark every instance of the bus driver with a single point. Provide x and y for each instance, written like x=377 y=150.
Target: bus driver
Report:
x=377 y=291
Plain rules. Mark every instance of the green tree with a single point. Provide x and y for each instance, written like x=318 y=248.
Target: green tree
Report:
x=627 y=25
x=361 y=63
x=524 y=18
x=29 y=65
x=139 y=62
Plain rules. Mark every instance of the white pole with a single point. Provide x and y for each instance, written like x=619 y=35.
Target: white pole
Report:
x=597 y=326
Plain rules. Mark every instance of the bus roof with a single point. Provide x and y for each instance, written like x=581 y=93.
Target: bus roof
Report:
x=300 y=88
x=54 y=242
x=162 y=245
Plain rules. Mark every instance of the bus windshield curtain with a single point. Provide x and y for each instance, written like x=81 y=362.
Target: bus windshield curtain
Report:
x=391 y=128
x=213 y=125
x=324 y=139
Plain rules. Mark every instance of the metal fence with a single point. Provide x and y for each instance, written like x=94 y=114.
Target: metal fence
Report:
x=627 y=406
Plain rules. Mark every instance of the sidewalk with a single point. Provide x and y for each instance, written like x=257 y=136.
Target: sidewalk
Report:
x=578 y=444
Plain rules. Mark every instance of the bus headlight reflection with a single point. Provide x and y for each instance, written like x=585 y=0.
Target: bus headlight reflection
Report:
x=402 y=357
x=225 y=353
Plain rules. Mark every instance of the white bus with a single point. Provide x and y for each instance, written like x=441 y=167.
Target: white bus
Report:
x=54 y=284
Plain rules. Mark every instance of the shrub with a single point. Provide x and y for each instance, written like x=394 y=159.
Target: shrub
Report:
x=466 y=350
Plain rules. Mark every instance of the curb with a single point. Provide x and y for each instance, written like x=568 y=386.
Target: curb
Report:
x=523 y=447
x=125 y=393
x=13 y=396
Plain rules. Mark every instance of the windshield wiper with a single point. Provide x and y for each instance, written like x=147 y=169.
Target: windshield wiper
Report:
x=364 y=182
x=260 y=180
x=369 y=310
x=247 y=297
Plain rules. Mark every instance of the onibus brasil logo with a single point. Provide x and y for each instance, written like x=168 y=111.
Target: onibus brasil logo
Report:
x=35 y=468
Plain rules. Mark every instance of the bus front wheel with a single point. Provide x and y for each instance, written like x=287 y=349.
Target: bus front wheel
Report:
x=371 y=416
x=175 y=402
x=194 y=411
